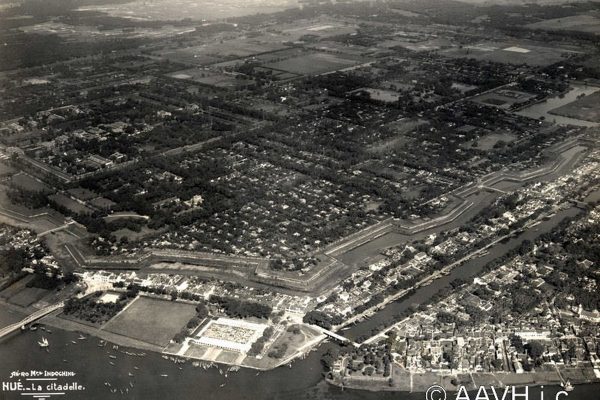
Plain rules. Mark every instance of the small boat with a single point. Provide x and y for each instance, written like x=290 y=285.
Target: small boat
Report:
x=130 y=374
x=44 y=343
x=164 y=375
x=131 y=384
x=113 y=357
x=33 y=328
x=111 y=363
x=74 y=342
x=568 y=387
x=222 y=385
x=135 y=368
x=81 y=337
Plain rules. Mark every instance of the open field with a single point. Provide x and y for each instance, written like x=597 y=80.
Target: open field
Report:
x=6 y=170
x=510 y=53
x=586 y=108
x=578 y=23
x=27 y=182
x=209 y=78
x=489 y=141
x=151 y=320
x=387 y=96
x=9 y=317
x=179 y=9
x=314 y=64
x=70 y=204
x=28 y=296
x=213 y=53
x=21 y=295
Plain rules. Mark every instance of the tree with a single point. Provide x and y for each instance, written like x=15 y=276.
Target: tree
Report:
x=329 y=358
x=535 y=349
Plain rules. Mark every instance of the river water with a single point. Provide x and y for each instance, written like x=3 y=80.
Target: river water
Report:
x=543 y=109
x=92 y=366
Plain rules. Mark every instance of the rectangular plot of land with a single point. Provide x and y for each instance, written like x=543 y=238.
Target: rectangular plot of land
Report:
x=151 y=320
x=29 y=183
x=313 y=64
x=530 y=53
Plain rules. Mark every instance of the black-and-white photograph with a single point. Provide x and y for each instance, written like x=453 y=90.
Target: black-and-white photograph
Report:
x=300 y=199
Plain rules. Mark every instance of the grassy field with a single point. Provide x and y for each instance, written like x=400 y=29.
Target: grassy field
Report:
x=489 y=141
x=8 y=317
x=313 y=64
x=26 y=182
x=586 y=108
x=209 y=78
x=578 y=23
x=21 y=295
x=6 y=170
x=70 y=204
x=213 y=53
x=510 y=53
x=152 y=321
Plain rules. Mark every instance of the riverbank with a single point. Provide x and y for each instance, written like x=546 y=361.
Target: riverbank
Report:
x=418 y=382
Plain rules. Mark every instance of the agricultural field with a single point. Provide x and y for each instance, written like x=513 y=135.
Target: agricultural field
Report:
x=29 y=183
x=314 y=63
x=151 y=320
x=209 y=78
x=511 y=53
x=214 y=53
x=577 y=23
x=586 y=108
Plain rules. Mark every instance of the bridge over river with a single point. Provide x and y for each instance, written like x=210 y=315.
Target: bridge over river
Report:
x=31 y=318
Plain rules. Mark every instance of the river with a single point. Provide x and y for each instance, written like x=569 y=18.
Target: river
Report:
x=92 y=366
x=543 y=109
